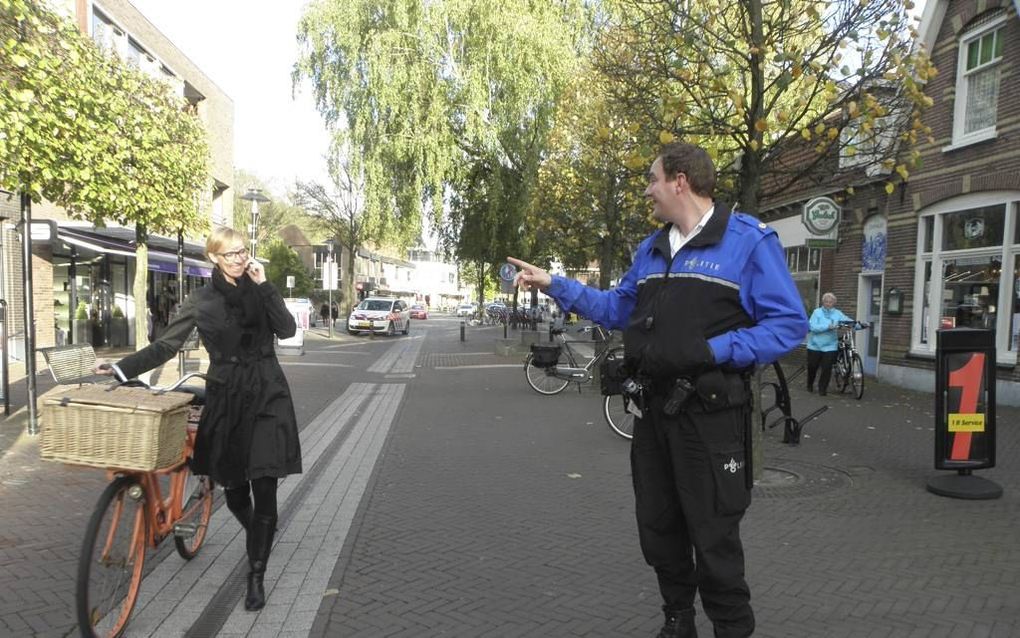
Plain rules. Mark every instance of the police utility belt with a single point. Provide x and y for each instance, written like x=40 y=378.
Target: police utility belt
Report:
x=712 y=390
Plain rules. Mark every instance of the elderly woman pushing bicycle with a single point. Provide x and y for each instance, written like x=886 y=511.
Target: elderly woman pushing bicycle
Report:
x=247 y=439
x=822 y=342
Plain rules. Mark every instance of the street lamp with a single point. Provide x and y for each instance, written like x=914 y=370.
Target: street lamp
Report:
x=255 y=196
x=329 y=280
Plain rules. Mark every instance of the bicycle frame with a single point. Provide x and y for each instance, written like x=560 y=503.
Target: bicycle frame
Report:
x=573 y=356
x=847 y=344
x=161 y=513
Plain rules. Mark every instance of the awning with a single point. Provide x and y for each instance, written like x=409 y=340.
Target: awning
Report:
x=121 y=241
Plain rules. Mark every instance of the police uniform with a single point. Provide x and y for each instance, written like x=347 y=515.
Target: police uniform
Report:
x=695 y=325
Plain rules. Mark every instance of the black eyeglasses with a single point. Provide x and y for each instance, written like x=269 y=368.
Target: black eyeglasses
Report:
x=235 y=255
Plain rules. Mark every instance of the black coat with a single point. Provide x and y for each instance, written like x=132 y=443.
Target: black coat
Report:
x=248 y=428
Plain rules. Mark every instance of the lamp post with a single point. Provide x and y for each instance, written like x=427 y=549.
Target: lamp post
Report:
x=329 y=279
x=255 y=196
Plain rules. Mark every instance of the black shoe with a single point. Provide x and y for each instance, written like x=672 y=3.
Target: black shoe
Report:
x=810 y=389
x=822 y=393
x=260 y=543
x=679 y=624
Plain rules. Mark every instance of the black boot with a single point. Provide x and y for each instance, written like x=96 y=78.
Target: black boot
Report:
x=260 y=543
x=679 y=624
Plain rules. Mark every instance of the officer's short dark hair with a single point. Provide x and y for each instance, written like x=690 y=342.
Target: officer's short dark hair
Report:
x=694 y=162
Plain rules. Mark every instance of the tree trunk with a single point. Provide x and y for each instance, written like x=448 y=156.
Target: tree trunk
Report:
x=481 y=285
x=350 y=297
x=139 y=288
x=605 y=262
x=750 y=164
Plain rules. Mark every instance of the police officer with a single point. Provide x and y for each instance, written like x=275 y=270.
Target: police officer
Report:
x=707 y=299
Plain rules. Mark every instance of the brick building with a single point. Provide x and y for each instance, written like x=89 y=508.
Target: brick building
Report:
x=82 y=275
x=944 y=248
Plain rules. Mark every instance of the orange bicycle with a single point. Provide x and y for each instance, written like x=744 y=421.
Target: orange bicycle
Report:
x=133 y=513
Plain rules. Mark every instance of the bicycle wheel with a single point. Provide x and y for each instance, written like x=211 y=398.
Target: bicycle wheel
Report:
x=856 y=376
x=840 y=373
x=614 y=408
x=542 y=382
x=111 y=561
x=196 y=510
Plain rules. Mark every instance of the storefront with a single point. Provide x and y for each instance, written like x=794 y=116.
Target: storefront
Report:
x=92 y=279
x=967 y=270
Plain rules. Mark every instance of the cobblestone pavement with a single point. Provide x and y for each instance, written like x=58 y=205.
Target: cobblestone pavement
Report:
x=443 y=497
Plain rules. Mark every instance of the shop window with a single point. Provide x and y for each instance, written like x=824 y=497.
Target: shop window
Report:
x=960 y=279
x=970 y=292
x=974 y=228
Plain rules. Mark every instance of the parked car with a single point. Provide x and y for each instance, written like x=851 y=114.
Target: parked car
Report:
x=465 y=310
x=419 y=311
x=379 y=314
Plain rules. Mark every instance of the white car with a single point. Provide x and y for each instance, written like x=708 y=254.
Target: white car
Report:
x=465 y=310
x=379 y=314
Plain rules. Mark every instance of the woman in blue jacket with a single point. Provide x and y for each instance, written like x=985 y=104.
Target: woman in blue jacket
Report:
x=822 y=342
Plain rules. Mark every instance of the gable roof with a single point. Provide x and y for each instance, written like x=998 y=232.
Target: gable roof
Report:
x=931 y=21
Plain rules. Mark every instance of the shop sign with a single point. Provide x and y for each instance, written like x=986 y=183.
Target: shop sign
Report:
x=821 y=216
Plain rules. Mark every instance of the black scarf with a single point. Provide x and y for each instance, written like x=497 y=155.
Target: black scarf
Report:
x=242 y=299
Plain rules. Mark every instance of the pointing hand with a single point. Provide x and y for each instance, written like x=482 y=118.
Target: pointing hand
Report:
x=529 y=275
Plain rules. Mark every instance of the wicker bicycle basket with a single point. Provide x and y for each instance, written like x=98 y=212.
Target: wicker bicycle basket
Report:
x=114 y=427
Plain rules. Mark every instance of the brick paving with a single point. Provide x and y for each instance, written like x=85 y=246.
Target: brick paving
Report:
x=479 y=508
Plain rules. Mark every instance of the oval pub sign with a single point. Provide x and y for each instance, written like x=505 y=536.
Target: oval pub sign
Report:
x=821 y=215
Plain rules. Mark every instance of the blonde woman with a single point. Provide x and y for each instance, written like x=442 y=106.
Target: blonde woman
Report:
x=248 y=438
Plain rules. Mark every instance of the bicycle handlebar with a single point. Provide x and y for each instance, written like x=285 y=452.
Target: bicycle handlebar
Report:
x=159 y=390
x=856 y=325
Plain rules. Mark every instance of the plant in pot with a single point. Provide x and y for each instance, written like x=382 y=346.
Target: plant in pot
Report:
x=118 y=328
x=81 y=323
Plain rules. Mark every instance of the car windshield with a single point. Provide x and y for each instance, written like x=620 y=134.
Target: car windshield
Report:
x=375 y=304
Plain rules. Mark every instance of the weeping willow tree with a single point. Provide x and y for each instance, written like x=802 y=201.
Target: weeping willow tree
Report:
x=444 y=106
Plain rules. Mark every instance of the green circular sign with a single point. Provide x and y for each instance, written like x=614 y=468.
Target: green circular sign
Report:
x=821 y=215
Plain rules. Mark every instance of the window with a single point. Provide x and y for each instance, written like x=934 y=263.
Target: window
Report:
x=977 y=80
x=963 y=245
x=868 y=143
x=107 y=36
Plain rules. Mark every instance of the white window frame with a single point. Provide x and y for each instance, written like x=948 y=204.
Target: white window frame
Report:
x=1007 y=253
x=960 y=101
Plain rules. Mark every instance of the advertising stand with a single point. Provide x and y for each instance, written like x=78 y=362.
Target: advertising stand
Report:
x=964 y=413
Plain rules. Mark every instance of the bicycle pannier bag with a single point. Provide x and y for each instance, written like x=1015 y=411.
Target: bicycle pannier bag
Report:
x=544 y=356
x=611 y=375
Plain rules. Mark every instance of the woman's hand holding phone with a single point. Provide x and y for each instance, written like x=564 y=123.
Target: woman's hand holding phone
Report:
x=255 y=271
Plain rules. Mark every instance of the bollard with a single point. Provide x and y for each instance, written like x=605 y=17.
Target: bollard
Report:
x=462 y=324
x=550 y=332
x=504 y=329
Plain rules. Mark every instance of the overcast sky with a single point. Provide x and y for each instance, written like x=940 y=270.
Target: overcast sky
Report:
x=248 y=49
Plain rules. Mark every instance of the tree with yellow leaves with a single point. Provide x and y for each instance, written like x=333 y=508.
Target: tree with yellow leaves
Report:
x=748 y=78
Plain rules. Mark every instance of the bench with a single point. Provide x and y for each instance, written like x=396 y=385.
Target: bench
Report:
x=71 y=364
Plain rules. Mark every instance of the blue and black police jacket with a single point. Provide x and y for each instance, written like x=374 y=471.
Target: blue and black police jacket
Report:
x=729 y=286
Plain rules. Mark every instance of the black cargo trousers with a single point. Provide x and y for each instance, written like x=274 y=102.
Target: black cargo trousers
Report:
x=691 y=490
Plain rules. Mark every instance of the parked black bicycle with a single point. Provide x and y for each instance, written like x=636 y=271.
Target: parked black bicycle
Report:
x=550 y=368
